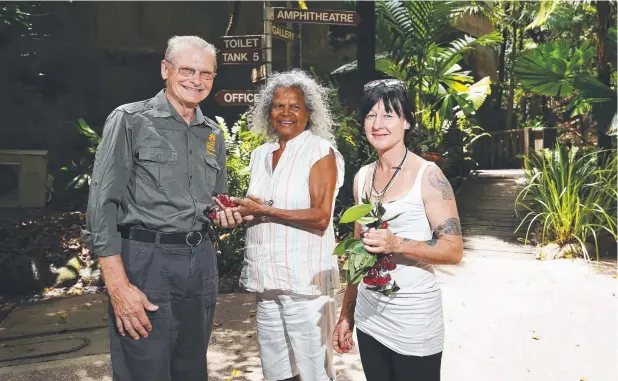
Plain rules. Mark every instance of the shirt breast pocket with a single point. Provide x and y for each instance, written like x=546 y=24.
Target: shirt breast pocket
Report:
x=159 y=165
x=211 y=170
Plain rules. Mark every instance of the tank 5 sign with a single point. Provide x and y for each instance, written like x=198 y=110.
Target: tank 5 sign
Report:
x=239 y=50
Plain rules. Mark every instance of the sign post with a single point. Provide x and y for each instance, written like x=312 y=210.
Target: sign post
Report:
x=268 y=40
x=229 y=98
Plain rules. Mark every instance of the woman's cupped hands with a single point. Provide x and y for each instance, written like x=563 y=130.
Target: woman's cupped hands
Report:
x=230 y=215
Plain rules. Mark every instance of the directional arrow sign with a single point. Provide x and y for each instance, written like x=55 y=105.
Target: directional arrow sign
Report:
x=282 y=33
x=235 y=97
x=319 y=16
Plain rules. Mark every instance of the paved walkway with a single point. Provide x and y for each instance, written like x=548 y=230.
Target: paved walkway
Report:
x=508 y=317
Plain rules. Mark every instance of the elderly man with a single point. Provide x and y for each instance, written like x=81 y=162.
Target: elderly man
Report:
x=156 y=169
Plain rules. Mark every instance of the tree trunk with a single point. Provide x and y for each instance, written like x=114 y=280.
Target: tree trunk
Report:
x=511 y=95
x=365 y=41
x=231 y=25
x=524 y=100
x=603 y=23
x=501 y=66
x=502 y=61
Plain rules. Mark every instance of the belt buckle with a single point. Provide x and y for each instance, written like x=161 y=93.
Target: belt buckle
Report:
x=189 y=238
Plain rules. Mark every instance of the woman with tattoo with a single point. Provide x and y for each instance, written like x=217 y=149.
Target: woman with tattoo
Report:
x=400 y=336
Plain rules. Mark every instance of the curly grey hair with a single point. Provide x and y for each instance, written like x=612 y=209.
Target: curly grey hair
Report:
x=178 y=43
x=316 y=101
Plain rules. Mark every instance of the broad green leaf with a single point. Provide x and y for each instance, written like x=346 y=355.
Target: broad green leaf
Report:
x=355 y=212
x=341 y=248
x=366 y=220
x=358 y=260
x=357 y=247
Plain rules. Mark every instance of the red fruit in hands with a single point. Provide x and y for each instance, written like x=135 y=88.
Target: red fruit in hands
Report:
x=212 y=215
x=225 y=200
x=391 y=266
x=385 y=225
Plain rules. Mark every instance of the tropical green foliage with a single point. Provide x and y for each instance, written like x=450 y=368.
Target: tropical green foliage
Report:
x=412 y=34
x=557 y=69
x=239 y=143
x=569 y=195
x=82 y=170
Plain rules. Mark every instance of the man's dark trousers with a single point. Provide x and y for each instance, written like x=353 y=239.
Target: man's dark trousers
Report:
x=182 y=280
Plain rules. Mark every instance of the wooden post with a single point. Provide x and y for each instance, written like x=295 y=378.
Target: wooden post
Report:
x=526 y=140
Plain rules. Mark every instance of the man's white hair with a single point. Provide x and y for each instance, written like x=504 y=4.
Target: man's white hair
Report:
x=316 y=100
x=179 y=43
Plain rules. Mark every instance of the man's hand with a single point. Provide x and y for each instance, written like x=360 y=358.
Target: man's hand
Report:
x=227 y=218
x=129 y=304
x=342 y=336
x=380 y=241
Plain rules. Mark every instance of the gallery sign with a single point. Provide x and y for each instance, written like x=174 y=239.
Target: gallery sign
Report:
x=282 y=33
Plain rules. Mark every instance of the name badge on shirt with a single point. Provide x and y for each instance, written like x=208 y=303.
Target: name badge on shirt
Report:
x=211 y=145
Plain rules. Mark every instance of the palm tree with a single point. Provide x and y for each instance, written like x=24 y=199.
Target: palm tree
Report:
x=593 y=94
x=412 y=33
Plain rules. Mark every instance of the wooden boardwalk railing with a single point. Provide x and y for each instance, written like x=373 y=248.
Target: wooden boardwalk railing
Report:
x=501 y=149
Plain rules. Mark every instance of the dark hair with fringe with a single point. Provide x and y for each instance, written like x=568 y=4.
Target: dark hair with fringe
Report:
x=393 y=93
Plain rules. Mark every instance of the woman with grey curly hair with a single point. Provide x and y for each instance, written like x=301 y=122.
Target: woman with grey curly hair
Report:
x=295 y=178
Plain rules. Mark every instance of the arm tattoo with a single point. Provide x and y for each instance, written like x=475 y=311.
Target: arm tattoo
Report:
x=431 y=242
x=450 y=226
x=441 y=184
x=351 y=307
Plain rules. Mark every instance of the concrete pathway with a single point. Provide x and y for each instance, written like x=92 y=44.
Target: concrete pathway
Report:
x=508 y=317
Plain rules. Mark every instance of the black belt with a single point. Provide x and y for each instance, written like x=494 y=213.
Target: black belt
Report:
x=193 y=238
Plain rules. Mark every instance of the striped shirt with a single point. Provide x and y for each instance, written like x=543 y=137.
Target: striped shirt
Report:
x=280 y=256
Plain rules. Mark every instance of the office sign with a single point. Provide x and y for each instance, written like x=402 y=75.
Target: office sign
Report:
x=317 y=16
x=235 y=97
x=282 y=33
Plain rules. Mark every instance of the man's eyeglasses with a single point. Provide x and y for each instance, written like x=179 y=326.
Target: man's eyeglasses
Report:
x=390 y=82
x=188 y=72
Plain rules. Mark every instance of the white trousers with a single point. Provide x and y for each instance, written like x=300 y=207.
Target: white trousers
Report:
x=295 y=335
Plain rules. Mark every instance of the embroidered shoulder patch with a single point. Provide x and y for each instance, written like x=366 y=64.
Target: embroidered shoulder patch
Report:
x=211 y=145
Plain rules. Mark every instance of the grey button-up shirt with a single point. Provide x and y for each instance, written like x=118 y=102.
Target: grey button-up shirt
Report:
x=153 y=170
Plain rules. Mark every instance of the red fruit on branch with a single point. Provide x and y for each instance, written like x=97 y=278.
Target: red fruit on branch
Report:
x=390 y=266
x=369 y=281
x=372 y=273
x=385 y=225
x=212 y=214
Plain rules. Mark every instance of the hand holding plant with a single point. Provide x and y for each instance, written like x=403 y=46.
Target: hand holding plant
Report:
x=369 y=258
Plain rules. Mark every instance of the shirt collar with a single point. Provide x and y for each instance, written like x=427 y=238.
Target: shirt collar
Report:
x=292 y=142
x=164 y=109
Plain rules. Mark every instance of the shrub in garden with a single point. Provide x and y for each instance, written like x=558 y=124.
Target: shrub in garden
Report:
x=570 y=196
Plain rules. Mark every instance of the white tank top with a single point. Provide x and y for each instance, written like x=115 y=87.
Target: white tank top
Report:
x=409 y=321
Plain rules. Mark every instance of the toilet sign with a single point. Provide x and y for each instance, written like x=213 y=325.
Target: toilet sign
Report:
x=235 y=97
x=239 y=50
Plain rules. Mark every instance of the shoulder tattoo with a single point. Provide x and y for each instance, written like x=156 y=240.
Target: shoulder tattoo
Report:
x=441 y=184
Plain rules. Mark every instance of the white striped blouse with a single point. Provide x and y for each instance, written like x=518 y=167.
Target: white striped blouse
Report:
x=280 y=256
